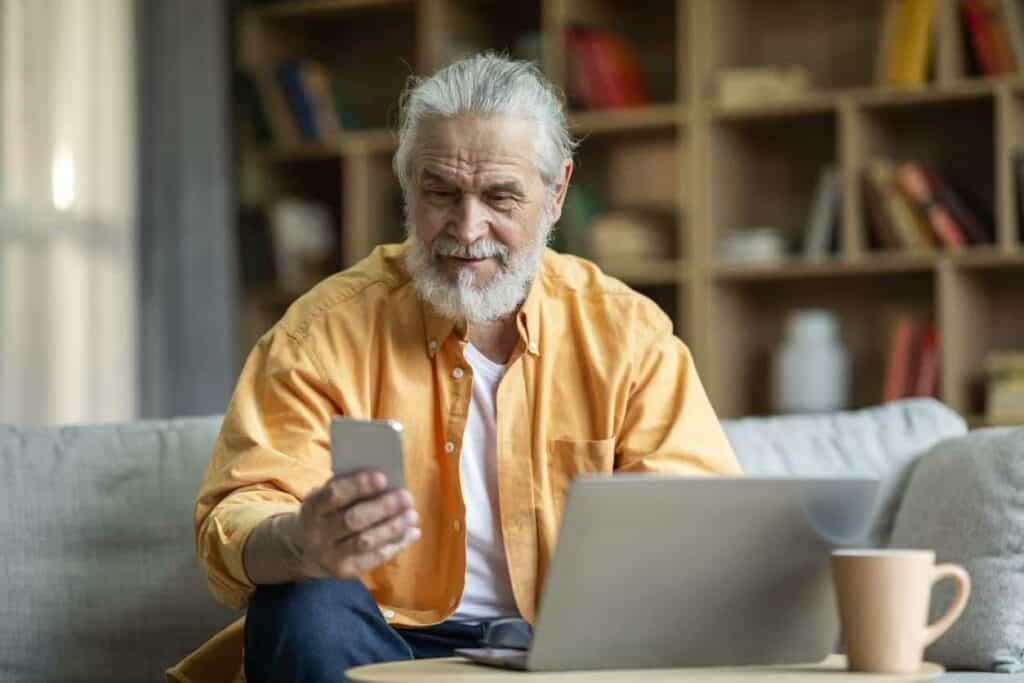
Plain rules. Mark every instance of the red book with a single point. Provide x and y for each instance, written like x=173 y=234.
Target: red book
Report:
x=898 y=359
x=581 y=81
x=926 y=381
x=913 y=181
x=628 y=77
x=982 y=40
x=609 y=89
x=970 y=224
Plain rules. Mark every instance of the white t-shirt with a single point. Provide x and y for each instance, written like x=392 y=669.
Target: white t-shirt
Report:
x=488 y=588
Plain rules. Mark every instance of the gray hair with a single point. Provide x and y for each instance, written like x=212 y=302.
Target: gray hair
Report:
x=486 y=84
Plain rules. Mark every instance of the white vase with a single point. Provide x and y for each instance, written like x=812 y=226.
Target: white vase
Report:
x=810 y=368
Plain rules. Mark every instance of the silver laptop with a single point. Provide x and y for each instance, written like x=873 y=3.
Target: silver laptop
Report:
x=658 y=572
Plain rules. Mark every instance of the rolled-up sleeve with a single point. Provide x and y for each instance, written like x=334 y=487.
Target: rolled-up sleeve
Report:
x=273 y=447
x=669 y=426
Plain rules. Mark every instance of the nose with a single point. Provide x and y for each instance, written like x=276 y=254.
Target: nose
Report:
x=469 y=221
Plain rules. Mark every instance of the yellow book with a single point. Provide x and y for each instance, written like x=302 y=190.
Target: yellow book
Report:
x=913 y=41
x=892 y=16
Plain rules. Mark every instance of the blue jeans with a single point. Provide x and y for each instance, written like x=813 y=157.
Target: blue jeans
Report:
x=316 y=630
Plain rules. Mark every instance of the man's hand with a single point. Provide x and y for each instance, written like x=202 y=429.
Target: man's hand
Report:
x=351 y=524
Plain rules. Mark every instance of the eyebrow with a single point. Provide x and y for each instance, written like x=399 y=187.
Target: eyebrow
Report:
x=511 y=186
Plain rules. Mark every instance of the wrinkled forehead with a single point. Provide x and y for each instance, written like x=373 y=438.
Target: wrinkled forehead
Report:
x=471 y=149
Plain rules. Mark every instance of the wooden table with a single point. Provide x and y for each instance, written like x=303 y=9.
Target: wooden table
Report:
x=459 y=669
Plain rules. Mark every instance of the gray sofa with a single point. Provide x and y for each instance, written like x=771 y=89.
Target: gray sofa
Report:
x=99 y=578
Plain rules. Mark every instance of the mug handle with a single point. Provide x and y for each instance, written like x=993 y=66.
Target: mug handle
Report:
x=963 y=579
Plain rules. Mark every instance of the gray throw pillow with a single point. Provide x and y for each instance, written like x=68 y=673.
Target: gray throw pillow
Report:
x=965 y=500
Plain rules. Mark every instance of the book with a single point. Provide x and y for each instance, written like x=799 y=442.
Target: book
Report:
x=1013 y=13
x=254 y=122
x=603 y=71
x=300 y=101
x=896 y=381
x=975 y=230
x=910 y=227
x=282 y=125
x=1004 y=363
x=823 y=220
x=1018 y=164
x=317 y=84
x=892 y=15
x=880 y=232
x=997 y=27
x=981 y=38
x=912 y=50
x=926 y=374
x=914 y=183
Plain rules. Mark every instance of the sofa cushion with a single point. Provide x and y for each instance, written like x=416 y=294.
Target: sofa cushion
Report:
x=966 y=501
x=881 y=442
x=99 y=575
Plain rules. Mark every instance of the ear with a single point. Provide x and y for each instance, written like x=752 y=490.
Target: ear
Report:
x=560 y=190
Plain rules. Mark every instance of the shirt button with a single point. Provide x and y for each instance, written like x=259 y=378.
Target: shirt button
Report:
x=457 y=525
x=433 y=345
x=532 y=348
x=449 y=447
x=388 y=614
x=457 y=373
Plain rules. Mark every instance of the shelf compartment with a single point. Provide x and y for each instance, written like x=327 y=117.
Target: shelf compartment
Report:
x=746 y=320
x=358 y=42
x=981 y=310
x=835 y=41
x=953 y=138
x=757 y=179
x=453 y=29
x=650 y=27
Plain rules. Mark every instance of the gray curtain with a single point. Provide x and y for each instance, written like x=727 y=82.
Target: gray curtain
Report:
x=187 y=249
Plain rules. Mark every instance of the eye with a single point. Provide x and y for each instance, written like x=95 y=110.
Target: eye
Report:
x=502 y=200
x=439 y=194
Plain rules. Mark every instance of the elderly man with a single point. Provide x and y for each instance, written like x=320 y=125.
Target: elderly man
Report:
x=512 y=368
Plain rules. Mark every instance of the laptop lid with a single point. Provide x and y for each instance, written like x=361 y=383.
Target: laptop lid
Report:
x=655 y=571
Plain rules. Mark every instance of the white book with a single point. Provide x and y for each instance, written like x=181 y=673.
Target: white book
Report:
x=823 y=220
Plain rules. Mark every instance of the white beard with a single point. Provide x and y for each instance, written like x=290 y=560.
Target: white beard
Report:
x=465 y=299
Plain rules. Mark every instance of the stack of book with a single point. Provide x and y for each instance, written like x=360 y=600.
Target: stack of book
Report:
x=993 y=37
x=295 y=101
x=1004 y=373
x=912 y=359
x=603 y=71
x=909 y=206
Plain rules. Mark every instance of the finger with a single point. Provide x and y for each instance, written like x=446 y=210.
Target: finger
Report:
x=389 y=531
x=344 y=490
x=357 y=565
x=368 y=513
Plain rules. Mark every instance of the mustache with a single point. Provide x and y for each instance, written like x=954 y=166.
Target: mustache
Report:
x=486 y=247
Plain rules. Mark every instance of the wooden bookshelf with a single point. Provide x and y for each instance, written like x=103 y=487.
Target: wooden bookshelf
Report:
x=722 y=168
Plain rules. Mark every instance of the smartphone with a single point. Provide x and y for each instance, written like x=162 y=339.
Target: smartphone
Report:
x=362 y=444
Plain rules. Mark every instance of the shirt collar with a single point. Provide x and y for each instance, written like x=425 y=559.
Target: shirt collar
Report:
x=437 y=327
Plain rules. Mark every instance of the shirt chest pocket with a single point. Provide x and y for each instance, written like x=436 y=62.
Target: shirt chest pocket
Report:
x=568 y=459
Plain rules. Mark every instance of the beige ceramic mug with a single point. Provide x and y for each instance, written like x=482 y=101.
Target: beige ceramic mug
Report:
x=883 y=606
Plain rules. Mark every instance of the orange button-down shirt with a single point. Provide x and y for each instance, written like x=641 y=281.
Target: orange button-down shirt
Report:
x=596 y=384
